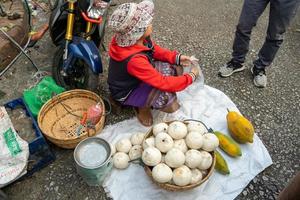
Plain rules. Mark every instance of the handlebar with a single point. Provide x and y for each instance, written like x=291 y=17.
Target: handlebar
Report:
x=95 y=21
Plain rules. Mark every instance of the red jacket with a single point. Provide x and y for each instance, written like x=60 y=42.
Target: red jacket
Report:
x=140 y=67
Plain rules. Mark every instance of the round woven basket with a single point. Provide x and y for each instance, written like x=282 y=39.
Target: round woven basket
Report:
x=172 y=187
x=60 y=117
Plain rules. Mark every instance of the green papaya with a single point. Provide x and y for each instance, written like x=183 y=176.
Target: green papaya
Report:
x=221 y=164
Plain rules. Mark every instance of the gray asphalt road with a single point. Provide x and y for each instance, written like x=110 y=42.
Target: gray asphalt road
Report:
x=203 y=28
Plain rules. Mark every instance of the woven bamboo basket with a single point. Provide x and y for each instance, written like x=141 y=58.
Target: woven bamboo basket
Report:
x=172 y=187
x=59 y=118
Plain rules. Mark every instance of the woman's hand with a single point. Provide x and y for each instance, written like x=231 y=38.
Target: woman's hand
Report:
x=185 y=60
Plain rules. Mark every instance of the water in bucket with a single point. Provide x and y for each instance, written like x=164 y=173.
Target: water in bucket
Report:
x=93 y=160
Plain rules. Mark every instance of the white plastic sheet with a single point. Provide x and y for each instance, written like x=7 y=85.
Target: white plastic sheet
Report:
x=210 y=106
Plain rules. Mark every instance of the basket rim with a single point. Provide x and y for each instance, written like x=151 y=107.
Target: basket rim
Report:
x=172 y=187
x=66 y=93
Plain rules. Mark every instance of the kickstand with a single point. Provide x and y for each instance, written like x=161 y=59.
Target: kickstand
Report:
x=103 y=46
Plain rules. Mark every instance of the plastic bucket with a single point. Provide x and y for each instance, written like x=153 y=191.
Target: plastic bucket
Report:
x=93 y=160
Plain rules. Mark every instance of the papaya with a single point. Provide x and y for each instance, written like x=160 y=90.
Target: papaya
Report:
x=228 y=145
x=239 y=127
x=221 y=164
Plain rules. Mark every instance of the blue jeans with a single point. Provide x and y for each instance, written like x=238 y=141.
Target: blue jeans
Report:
x=281 y=13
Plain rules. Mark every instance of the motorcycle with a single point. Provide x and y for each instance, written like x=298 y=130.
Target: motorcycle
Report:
x=78 y=27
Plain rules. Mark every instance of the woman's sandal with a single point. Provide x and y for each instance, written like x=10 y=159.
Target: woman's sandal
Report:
x=150 y=123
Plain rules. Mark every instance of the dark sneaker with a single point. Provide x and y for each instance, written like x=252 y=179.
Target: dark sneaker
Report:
x=259 y=77
x=229 y=68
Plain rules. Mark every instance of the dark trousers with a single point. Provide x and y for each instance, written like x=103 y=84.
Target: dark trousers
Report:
x=281 y=13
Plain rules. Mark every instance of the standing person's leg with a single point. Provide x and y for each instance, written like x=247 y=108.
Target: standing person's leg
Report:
x=281 y=13
x=251 y=11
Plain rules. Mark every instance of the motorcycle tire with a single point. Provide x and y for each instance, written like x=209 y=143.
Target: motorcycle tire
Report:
x=3 y=195
x=80 y=70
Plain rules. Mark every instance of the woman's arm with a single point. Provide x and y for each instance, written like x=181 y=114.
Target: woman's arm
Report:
x=165 y=55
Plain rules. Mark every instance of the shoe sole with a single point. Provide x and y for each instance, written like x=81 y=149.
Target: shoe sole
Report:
x=234 y=71
x=257 y=85
x=254 y=82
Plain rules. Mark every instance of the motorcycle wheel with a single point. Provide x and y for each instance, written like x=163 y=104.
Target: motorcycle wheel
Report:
x=80 y=75
x=3 y=195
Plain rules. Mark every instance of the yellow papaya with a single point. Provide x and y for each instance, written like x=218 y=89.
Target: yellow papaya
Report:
x=228 y=145
x=239 y=127
x=221 y=164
